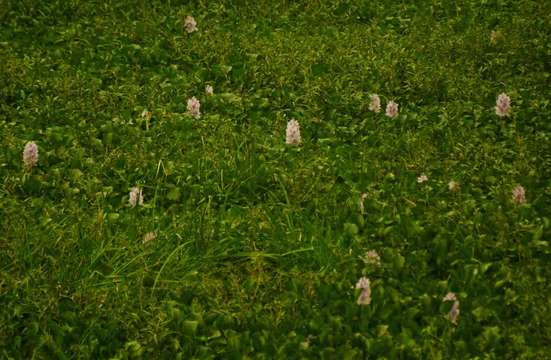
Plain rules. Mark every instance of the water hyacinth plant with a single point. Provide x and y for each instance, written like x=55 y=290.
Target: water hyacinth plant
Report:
x=135 y=197
x=422 y=178
x=292 y=133
x=391 y=109
x=190 y=24
x=150 y=236
x=454 y=311
x=453 y=186
x=375 y=103
x=372 y=258
x=503 y=105
x=271 y=200
x=365 y=294
x=146 y=115
x=361 y=202
x=450 y=296
x=519 y=196
x=194 y=107
x=30 y=155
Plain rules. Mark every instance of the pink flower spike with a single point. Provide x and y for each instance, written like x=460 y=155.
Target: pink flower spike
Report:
x=449 y=297
x=190 y=24
x=391 y=109
x=365 y=295
x=372 y=258
x=422 y=178
x=30 y=154
x=375 y=104
x=363 y=283
x=453 y=186
x=519 y=195
x=150 y=236
x=503 y=105
x=454 y=312
x=135 y=197
x=194 y=107
x=292 y=133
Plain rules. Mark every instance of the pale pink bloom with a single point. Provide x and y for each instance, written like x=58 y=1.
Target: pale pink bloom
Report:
x=149 y=237
x=194 y=107
x=422 y=178
x=363 y=283
x=503 y=105
x=372 y=258
x=375 y=104
x=365 y=295
x=146 y=114
x=453 y=186
x=292 y=133
x=391 y=109
x=454 y=312
x=30 y=154
x=519 y=195
x=135 y=197
x=190 y=24
x=209 y=90
x=362 y=199
x=449 y=297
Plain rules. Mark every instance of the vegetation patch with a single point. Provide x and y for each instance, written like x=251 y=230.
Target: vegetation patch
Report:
x=275 y=179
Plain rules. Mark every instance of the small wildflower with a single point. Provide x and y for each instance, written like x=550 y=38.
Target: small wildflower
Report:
x=149 y=237
x=365 y=295
x=422 y=178
x=453 y=186
x=454 y=312
x=194 y=107
x=209 y=90
x=519 y=195
x=363 y=283
x=146 y=114
x=372 y=258
x=391 y=109
x=362 y=199
x=293 y=133
x=30 y=154
x=135 y=197
x=503 y=105
x=375 y=104
x=190 y=24
x=449 y=297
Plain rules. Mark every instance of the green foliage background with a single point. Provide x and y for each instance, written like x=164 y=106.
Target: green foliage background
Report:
x=259 y=245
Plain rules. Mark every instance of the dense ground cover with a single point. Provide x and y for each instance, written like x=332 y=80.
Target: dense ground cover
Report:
x=258 y=245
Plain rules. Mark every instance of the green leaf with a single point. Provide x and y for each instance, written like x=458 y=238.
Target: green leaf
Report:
x=190 y=327
x=174 y=194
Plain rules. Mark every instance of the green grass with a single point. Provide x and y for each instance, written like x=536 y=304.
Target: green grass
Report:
x=259 y=244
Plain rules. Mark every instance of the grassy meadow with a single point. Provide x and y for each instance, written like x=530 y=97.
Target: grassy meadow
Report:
x=145 y=226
